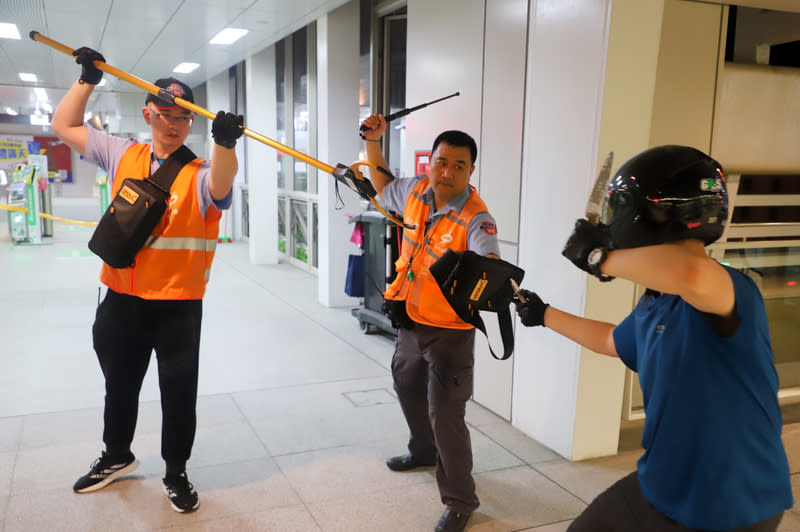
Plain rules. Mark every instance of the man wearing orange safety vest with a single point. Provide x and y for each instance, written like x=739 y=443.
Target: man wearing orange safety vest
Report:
x=433 y=361
x=155 y=304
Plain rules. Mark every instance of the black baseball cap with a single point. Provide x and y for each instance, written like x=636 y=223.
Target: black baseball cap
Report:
x=174 y=87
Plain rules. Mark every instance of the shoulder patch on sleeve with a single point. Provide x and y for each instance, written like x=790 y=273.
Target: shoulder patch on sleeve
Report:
x=489 y=227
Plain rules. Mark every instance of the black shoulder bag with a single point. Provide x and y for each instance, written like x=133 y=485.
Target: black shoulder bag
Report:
x=472 y=282
x=135 y=212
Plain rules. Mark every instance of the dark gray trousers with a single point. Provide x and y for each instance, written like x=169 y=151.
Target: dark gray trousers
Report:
x=623 y=508
x=432 y=369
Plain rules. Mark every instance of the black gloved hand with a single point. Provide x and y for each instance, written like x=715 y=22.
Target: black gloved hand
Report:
x=588 y=246
x=531 y=311
x=86 y=57
x=226 y=128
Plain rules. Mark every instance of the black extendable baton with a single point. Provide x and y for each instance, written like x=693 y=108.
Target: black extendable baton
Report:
x=403 y=112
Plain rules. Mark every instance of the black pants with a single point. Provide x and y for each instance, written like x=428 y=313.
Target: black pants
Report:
x=126 y=330
x=623 y=508
x=432 y=370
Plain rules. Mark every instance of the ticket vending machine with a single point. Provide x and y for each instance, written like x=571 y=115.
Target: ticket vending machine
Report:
x=23 y=192
x=101 y=178
x=43 y=194
x=17 y=220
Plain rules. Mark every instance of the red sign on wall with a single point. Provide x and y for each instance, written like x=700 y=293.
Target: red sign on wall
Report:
x=59 y=156
x=422 y=162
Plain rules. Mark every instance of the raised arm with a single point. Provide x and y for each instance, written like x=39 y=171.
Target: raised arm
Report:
x=225 y=130
x=67 y=122
x=681 y=268
x=376 y=126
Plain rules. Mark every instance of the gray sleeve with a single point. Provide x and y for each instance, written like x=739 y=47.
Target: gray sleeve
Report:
x=396 y=192
x=204 y=198
x=482 y=235
x=106 y=150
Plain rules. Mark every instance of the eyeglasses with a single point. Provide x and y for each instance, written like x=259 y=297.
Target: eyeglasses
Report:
x=172 y=119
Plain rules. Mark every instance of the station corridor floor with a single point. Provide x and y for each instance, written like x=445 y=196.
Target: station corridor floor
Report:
x=296 y=415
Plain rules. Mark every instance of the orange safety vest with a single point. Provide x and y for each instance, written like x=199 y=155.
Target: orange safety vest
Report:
x=175 y=262
x=414 y=283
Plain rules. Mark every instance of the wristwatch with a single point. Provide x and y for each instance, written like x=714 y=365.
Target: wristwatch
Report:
x=596 y=257
x=594 y=260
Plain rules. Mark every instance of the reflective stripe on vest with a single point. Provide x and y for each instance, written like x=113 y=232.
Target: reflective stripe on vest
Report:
x=188 y=244
x=414 y=282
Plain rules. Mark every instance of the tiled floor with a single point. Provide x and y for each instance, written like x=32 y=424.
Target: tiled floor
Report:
x=296 y=415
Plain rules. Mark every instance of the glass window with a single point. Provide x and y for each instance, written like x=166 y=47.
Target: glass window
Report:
x=300 y=106
x=315 y=240
x=280 y=108
x=763 y=36
x=365 y=60
x=299 y=221
x=395 y=76
x=763 y=240
x=282 y=224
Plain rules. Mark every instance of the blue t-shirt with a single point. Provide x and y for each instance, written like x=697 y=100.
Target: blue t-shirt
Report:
x=713 y=457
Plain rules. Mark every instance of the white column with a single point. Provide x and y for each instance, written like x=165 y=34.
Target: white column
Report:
x=261 y=163
x=218 y=96
x=585 y=63
x=338 y=141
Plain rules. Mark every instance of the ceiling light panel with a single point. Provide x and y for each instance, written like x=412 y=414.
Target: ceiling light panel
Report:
x=8 y=31
x=228 y=36
x=185 y=68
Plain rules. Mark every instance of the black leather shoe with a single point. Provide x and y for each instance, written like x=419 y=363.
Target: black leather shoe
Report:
x=452 y=521
x=407 y=462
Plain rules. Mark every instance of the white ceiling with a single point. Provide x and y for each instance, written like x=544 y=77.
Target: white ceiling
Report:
x=145 y=38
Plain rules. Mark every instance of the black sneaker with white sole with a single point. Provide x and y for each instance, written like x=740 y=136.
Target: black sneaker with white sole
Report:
x=181 y=493
x=104 y=471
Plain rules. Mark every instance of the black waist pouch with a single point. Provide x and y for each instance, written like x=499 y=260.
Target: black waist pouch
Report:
x=396 y=311
x=135 y=212
x=472 y=282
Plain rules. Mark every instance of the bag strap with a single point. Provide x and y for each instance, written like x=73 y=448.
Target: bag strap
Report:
x=506 y=331
x=169 y=170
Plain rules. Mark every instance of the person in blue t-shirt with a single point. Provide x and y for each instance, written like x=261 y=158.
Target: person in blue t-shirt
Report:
x=698 y=338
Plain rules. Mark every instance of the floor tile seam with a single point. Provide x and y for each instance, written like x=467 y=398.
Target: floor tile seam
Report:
x=228 y=393
x=249 y=423
x=303 y=385
x=301 y=311
x=13 y=470
x=351 y=494
x=319 y=449
x=541 y=525
x=509 y=451
x=4 y=514
x=557 y=483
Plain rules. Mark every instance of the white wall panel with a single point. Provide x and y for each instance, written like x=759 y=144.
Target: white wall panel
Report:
x=218 y=96
x=443 y=55
x=261 y=163
x=500 y=157
x=337 y=92
x=565 y=77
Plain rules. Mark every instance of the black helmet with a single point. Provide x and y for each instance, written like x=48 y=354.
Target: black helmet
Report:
x=665 y=194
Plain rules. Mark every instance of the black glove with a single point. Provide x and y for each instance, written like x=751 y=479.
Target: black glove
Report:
x=86 y=57
x=531 y=311
x=588 y=247
x=226 y=128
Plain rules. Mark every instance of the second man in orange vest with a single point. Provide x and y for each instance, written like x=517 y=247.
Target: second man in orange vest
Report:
x=433 y=361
